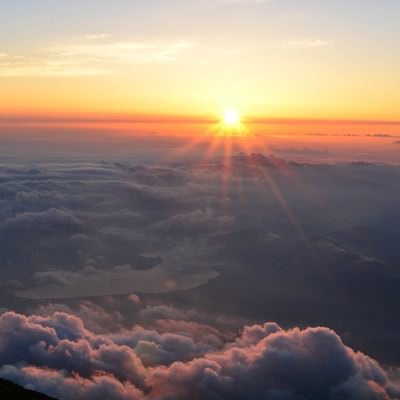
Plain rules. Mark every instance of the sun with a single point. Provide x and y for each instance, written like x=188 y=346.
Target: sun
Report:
x=231 y=117
x=231 y=124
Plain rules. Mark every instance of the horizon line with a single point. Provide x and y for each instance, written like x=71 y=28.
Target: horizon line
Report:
x=74 y=118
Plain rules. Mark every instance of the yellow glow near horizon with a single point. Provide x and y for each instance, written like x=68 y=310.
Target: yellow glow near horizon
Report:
x=231 y=117
x=230 y=124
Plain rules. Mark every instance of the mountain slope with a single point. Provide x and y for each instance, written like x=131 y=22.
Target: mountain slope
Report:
x=11 y=391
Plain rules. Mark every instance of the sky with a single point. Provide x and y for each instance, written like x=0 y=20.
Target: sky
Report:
x=270 y=59
x=200 y=199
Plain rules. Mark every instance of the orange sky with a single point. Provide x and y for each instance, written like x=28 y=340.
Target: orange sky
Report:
x=338 y=61
x=204 y=125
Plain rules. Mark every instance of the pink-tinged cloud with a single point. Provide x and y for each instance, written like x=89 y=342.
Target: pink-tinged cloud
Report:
x=309 y=364
x=59 y=356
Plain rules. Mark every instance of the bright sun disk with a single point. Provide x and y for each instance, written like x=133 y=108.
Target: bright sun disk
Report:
x=231 y=116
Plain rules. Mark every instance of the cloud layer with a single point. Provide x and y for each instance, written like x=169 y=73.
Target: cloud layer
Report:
x=59 y=356
x=253 y=238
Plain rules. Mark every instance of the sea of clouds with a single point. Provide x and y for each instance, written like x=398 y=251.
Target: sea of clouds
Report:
x=124 y=279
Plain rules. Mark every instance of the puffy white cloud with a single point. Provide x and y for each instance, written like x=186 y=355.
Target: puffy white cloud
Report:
x=59 y=356
x=312 y=363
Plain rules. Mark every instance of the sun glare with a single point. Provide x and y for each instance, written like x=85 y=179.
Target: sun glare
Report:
x=231 y=117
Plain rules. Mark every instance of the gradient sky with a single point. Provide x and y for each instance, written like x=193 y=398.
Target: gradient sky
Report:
x=271 y=58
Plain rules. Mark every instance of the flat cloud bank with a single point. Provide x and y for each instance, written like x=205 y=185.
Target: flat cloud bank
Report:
x=121 y=281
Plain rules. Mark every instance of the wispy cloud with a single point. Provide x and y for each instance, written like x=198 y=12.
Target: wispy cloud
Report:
x=307 y=43
x=244 y=1
x=98 y=36
x=91 y=55
x=18 y=66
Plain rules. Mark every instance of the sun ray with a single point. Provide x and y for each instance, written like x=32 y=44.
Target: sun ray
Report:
x=184 y=149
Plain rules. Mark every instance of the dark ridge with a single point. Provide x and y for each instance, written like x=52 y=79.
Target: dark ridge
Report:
x=11 y=391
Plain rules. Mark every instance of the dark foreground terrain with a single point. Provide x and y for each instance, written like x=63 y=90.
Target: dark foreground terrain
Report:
x=10 y=391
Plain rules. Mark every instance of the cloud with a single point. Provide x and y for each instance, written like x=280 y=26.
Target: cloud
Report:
x=307 y=43
x=51 y=220
x=92 y=55
x=62 y=342
x=95 y=317
x=98 y=36
x=178 y=269
x=185 y=236
x=312 y=363
x=162 y=312
x=57 y=355
x=197 y=222
x=303 y=151
x=19 y=66
x=122 y=52
x=119 y=281
x=134 y=299
x=244 y=1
